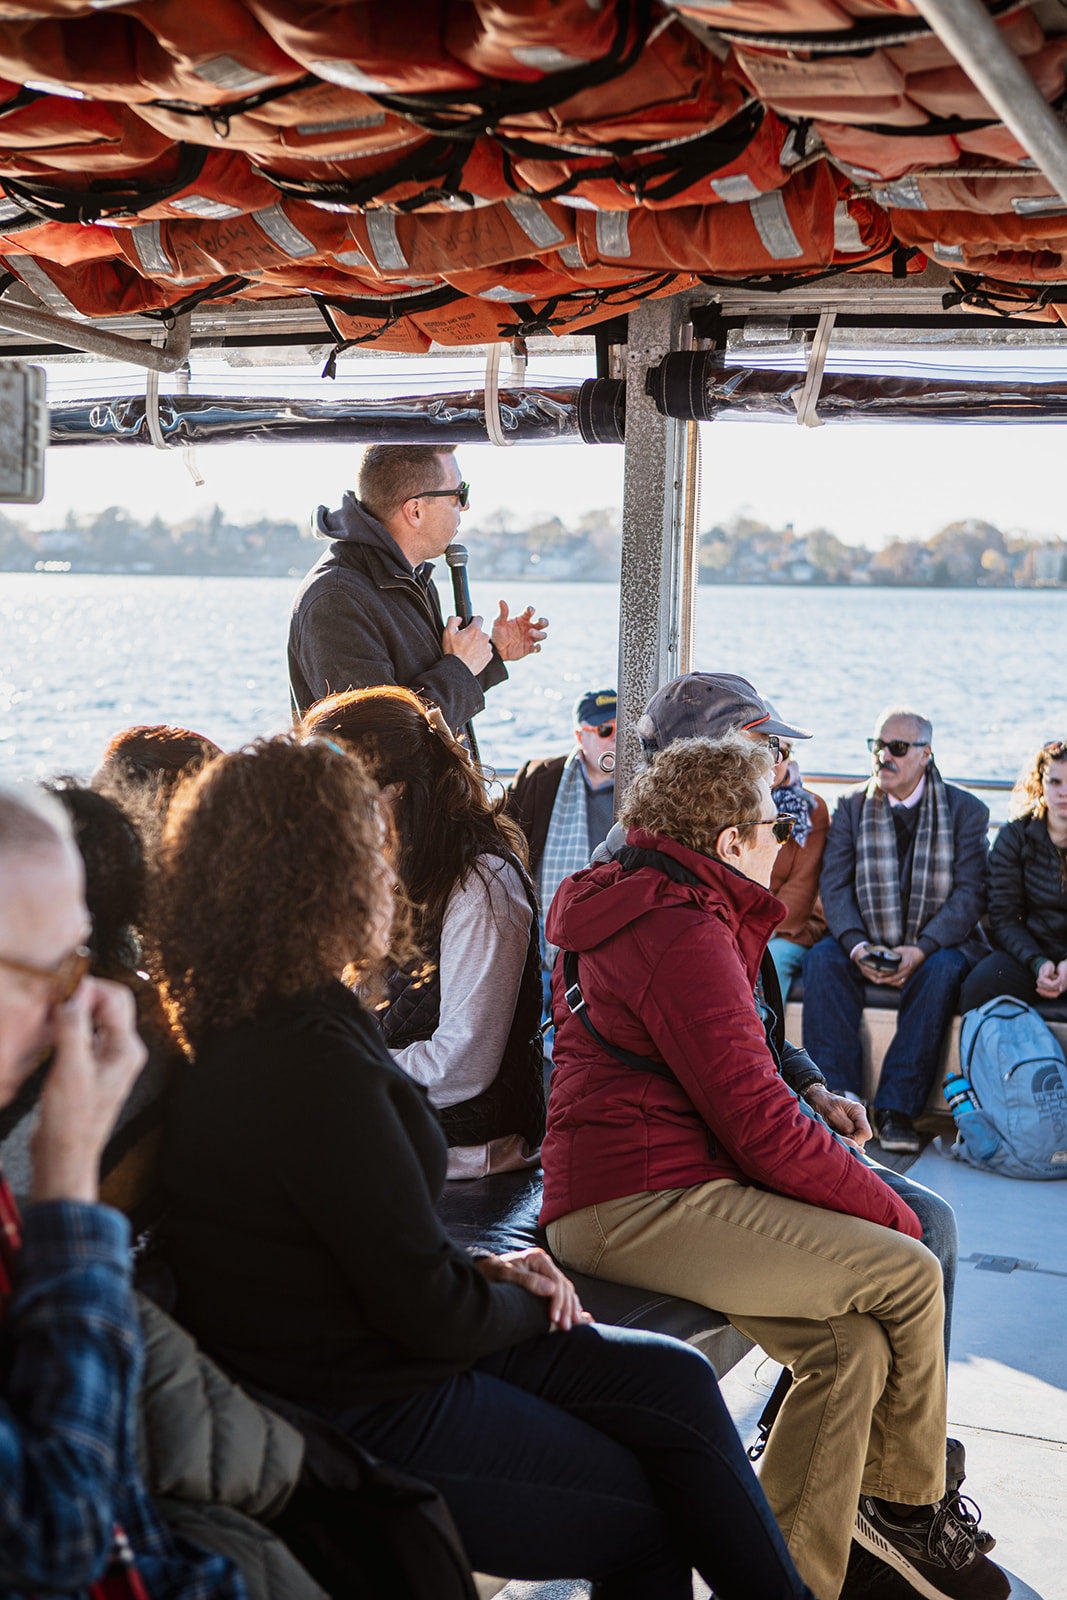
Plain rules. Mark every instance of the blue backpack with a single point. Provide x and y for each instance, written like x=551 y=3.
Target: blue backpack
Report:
x=1009 y=1099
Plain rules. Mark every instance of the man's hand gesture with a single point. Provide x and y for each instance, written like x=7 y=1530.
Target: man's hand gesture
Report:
x=519 y=636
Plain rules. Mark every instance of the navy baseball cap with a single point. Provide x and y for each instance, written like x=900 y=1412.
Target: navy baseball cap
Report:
x=705 y=705
x=594 y=707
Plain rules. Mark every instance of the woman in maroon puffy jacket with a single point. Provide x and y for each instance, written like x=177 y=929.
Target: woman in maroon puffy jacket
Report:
x=703 y=1175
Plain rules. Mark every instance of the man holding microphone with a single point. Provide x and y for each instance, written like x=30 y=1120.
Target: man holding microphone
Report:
x=368 y=612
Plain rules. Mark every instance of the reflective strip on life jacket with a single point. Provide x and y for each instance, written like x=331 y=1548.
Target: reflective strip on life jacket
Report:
x=988 y=190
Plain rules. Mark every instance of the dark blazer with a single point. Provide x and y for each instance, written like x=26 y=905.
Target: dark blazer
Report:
x=362 y=618
x=531 y=796
x=957 y=919
x=1027 y=898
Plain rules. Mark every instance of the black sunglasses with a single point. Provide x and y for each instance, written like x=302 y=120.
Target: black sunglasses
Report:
x=896 y=747
x=603 y=730
x=462 y=494
x=781 y=827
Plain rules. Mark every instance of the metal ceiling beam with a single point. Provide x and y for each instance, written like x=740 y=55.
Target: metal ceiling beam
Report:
x=83 y=336
x=968 y=32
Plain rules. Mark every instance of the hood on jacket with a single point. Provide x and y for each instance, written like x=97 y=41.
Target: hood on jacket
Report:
x=599 y=902
x=352 y=523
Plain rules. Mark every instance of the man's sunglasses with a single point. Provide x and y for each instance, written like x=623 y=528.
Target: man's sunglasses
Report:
x=896 y=747
x=64 y=979
x=781 y=827
x=462 y=494
x=603 y=730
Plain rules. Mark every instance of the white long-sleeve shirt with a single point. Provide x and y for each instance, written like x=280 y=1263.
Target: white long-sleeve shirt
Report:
x=485 y=935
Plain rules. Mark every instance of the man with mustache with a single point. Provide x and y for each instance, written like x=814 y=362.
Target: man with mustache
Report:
x=903 y=885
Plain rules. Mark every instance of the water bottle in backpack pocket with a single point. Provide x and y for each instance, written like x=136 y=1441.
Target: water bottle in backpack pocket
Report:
x=1009 y=1098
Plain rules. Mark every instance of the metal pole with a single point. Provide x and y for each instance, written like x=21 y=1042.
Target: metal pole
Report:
x=965 y=29
x=683 y=619
x=650 y=518
x=58 y=330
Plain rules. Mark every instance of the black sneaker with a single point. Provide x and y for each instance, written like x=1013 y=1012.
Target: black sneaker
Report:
x=935 y=1549
x=955 y=1472
x=894 y=1131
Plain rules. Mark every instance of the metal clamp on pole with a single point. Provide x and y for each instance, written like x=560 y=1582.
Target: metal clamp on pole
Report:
x=808 y=398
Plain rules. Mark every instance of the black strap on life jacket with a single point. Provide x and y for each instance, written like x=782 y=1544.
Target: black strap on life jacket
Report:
x=220 y=115
x=438 y=163
x=679 y=167
x=465 y=113
x=104 y=197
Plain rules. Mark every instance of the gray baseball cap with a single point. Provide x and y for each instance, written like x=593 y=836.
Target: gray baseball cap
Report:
x=705 y=705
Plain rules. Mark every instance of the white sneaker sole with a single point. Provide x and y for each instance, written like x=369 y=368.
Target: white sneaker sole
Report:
x=869 y=1537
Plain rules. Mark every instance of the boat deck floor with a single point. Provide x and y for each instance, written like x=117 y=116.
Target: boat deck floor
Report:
x=1007 y=1378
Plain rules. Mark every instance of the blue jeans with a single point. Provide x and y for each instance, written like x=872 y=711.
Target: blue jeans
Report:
x=601 y=1453
x=833 y=1002
x=940 y=1233
x=788 y=959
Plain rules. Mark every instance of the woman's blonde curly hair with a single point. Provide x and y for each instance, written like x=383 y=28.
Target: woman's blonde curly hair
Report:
x=1028 y=795
x=697 y=787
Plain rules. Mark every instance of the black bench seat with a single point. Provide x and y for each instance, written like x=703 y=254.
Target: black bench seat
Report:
x=500 y=1213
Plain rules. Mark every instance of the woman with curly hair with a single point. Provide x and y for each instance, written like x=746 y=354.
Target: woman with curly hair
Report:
x=1028 y=890
x=304 y=1166
x=677 y=1158
x=469 y=1029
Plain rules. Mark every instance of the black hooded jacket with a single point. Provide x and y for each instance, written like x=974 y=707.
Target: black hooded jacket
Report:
x=362 y=618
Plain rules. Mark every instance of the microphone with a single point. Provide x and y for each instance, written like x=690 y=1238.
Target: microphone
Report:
x=456 y=557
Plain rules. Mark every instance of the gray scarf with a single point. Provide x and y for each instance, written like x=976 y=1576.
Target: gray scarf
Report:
x=878 y=867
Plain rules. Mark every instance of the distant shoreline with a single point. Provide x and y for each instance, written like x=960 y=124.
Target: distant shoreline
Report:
x=64 y=569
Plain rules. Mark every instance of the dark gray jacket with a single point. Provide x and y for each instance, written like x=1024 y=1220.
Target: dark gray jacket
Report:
x=956 y=922
x=1027 y=898
x=362 y=617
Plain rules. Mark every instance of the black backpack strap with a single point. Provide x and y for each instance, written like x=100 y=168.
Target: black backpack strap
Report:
x=575 y=999
x=769 y=1413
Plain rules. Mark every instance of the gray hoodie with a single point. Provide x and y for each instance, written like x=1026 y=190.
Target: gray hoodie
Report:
x=363 y=617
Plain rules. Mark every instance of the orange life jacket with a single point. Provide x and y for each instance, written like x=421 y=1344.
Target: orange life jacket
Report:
x=788 y=16
x=387 y=46
x=49 y=133
x=807 y=223
x=973 y=186
x=429 y=174
x=188 y=181
x=429 y=245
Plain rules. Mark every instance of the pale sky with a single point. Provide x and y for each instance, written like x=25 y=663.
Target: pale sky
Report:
x=867 y=483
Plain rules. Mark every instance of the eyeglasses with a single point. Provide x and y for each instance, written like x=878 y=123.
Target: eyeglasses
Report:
x=462 y=494
x=784 y=751
x=781 y=827
x=896 y=747
x=603 y=730
x=64 y=978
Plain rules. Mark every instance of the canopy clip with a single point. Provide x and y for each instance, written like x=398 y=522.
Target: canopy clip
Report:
x=807 y=400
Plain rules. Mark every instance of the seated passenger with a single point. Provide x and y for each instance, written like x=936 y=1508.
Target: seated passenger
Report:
x=708 y=705
x=795 y=877
x=1028 y=890
x=304 y=1166
x=72 y=1350
x=565 y=805
x=142 y=768
x=704 y=1175
x=468 y=1032
x=904 y=881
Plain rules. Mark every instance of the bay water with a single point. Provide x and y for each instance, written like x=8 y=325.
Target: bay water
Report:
x=82 y=656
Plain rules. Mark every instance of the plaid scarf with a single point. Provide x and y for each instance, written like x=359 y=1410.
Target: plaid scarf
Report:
x=121 y=1581
x=567 y=844
x=878 y=865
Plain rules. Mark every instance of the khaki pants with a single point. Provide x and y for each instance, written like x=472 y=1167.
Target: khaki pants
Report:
x=855 y=1310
